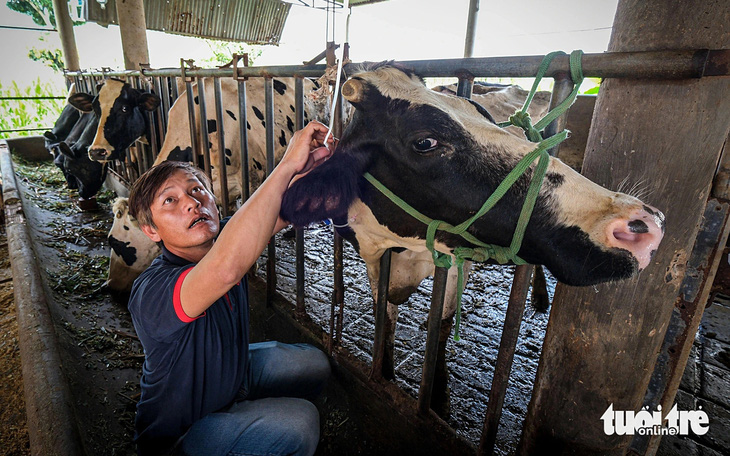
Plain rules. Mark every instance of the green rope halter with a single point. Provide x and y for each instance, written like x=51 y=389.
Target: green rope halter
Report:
x=484 y=252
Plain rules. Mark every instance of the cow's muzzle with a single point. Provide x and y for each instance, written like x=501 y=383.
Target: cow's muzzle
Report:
x=640 y=233
x=99 y=154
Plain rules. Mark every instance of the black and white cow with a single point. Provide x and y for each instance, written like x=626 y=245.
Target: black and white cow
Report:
x=444 y=155
x=68 y=128
x=131 y=250
x=87 y=174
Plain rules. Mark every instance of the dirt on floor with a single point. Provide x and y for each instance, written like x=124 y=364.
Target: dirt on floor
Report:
x=13 y=432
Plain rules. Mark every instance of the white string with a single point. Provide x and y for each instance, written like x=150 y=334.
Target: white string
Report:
x=345 y=5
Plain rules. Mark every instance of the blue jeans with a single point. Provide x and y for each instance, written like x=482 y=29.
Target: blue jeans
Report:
x=271 y=415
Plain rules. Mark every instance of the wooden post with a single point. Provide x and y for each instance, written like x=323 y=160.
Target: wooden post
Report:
x=601 y=343
x=133 y=28
x=66 y=32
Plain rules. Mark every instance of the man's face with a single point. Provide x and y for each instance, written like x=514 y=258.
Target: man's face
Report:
x=185 y=216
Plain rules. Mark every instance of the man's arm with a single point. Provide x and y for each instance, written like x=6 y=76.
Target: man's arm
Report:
x=249 y=230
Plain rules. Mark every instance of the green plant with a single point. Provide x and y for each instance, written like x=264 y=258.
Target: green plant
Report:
x=223 y=52
x=40 y=10
x=28 y=113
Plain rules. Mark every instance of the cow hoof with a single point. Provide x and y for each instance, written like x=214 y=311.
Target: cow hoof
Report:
x=88 y=204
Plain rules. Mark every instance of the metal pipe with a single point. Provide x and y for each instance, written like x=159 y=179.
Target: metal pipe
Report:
x=432 y=339
x=562 y=88
x=204 y=127
x=299 y=233
x=222 y=169
x=161 y=110
x=505 y=356
x=671 y=64
x=269 y=118
x=191 y=120
x=381 y=316
x=471 y=26
x=243 y=131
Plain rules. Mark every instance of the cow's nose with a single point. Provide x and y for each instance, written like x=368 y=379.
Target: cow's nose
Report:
x=640 y=233
x=98 y=154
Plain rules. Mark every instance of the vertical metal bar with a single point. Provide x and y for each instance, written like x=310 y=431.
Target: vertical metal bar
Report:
x=243 y=131
x=269 y=117
x=471 y=26
x=204 y=127
x=381 y=316
x=222 y=168
x=465 y=86
x=160 y=121
x=191 y=120
x=505 y=356
x=299 y=233
x=164 y=92
x=149 y=151
x=339 y=284
x=562 y=88
x=432 y=339
x=173 y=88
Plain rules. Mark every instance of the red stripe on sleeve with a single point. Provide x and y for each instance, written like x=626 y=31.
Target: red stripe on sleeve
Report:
x=177 y=304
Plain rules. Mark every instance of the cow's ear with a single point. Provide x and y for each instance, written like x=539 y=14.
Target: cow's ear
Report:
x=81 y=101
x=325 y=192
x=65 y=149
x=50 y=136
x=148 y=101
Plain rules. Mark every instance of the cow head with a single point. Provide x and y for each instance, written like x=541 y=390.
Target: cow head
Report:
x=88 y=175
x=444 y=156
x=122 y=112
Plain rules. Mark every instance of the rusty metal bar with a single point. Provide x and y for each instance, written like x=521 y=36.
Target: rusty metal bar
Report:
x=381 y=316
x=269 y=117
x=432 y=339
x=299 y=233
x=222 y=168
x=243 y=131
x=191 y=121
x=562 y=88
x=664 y=64
x=204 y=127
x=505 y=356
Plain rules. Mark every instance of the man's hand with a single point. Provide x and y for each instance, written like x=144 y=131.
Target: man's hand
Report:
x=307 y=150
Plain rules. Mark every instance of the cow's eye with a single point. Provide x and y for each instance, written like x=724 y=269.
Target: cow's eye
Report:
x=125 y=108
x=425 y=144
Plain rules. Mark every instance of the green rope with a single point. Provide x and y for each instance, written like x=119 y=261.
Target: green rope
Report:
x=482 y=251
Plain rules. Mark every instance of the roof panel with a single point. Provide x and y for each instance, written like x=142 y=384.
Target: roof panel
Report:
x=251 y=21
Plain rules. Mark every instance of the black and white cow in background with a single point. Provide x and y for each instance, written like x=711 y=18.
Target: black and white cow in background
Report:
x=444 y=155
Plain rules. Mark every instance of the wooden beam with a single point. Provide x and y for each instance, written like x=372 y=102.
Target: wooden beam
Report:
x=602 y=342
x=66 y=33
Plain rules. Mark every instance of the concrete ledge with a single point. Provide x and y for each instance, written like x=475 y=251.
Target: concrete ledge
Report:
x=52 y=426
x=32 y=148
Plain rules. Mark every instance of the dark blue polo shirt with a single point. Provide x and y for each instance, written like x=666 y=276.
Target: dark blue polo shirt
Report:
x=193 y=366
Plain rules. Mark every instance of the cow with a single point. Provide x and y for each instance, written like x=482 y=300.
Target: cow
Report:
x=445 y=155
x=123 y=119
x=131 y=250
x=68 y=128
x=88 y=176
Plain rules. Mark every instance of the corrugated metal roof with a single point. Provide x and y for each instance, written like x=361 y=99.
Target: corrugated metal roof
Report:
x=251 y=21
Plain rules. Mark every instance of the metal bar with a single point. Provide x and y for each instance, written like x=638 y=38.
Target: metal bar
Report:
x=173 y=88
x=432 y=339
x=33 y=98
x=666 y=64
x=222 y=169
x=505 y=356
x=465 y=86
x=243 y=131
x=25 y=129
x=562 y=88
x=471 y=25
x=269 y=118
x=161 y=122
x=191 y=121
x=381 y=316
x=204 y=127
x=299 y=233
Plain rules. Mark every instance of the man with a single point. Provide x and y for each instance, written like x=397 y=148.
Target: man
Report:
x=205 y=391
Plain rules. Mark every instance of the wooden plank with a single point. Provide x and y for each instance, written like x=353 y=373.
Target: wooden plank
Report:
x=601 y=343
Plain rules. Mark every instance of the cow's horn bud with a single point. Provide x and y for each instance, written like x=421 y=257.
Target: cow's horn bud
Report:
x=352 y=90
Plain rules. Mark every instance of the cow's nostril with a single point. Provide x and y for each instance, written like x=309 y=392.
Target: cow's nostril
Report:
x=638 y=226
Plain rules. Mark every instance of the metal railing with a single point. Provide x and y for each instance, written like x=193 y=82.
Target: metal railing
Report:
x=655 y=64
